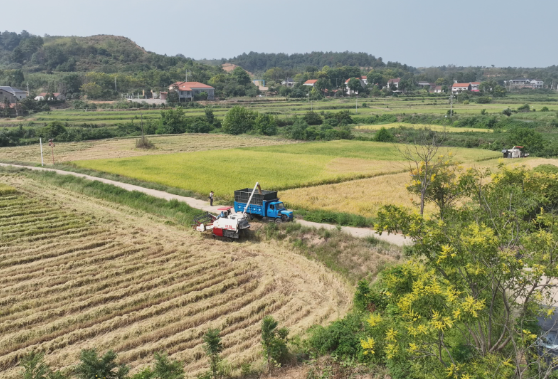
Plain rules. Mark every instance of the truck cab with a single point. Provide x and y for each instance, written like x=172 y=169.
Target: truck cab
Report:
x=276 y=209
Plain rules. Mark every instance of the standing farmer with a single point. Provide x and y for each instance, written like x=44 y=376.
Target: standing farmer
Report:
x=211 y=198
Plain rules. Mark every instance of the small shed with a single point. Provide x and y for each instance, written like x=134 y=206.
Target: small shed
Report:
x=515 y=152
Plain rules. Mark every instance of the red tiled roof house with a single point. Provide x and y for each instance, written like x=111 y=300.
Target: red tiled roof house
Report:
x=188 y=90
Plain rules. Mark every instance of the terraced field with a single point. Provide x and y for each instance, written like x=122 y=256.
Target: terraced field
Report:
x=126 y=147
x=80 y=273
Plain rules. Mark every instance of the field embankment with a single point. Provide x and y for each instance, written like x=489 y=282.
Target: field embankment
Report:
x=78 y=272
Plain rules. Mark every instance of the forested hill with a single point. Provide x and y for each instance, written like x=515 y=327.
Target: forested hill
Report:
x=104 y=53
x=260 y=62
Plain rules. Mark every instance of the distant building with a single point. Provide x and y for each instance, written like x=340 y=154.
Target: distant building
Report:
x=536 y=83
x=437 y=89
x=526 y=83
x=310 y=82
x=475 y=86
x=289 y=82
x=460 y=87
x=363 y=82
x=12 y=94
x=46 y=96
x=395 y=82
x=188 y=90
x=424 y=84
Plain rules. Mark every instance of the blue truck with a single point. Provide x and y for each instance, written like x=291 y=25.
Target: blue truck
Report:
x=264 y=205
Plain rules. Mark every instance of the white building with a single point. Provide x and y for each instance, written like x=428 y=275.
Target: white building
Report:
x=363 y=82
x=460 y=87
x=310 y=82
x=47 y=96
x=395 y=82
x=12 y=94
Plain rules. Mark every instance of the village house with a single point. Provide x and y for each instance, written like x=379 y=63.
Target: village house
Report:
x=436 y=89
x=188 y=90
x=526 y=83
x=289 y=82
x=47 y=96
x=12 y=94
x=363 y=83
x=395 y=82
x=460 y=87
x=475 y=86
x=310 y=82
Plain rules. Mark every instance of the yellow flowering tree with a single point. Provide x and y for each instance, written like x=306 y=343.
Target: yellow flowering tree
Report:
x=466 y=303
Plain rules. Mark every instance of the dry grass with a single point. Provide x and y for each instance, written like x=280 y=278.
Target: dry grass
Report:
x=366 y=196
x=434 y=127
x=126 y=147
x=79 y=273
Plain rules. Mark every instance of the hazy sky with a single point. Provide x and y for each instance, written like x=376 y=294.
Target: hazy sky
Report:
x=417 y=32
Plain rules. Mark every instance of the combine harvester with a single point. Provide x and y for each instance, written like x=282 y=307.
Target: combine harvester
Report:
x=226 y=225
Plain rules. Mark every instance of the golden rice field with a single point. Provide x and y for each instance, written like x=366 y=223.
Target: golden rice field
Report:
x=126 y=147
x=275 y=167
x=436 y=128
x=366 y=196
x=79 y=273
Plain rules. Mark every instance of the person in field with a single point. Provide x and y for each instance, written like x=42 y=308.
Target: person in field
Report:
x=211 y=198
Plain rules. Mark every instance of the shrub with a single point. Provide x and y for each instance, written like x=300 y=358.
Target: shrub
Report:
x=265 y=124
x=484 y=100
x=524 y=108
x=274 y=341
x=239 y=120
x=92 y=366
x=312 y=118
x=384 y=135
x=545 y=109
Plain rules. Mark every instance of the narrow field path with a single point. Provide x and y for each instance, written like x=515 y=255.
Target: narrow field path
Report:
x=394 y=239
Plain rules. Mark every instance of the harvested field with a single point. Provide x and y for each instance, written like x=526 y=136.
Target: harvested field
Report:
x=81 y=273
x=126 y=147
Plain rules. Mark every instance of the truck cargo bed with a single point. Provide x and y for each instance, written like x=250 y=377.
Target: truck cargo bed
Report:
x=242 y=196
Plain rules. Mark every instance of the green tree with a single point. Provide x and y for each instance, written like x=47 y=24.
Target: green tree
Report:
x=467 y=301
x=266 y=124
x=94 y=367
x=213 y=347
x=240 y=76
x=531 y=140
x=52 y=130
x=239 y=120
x=34 y=367
x=173 y=121
x=384 y=135
x=209 y=116
x=92 y=90
x=274 y=342
x=166 y=368
x=354 y=85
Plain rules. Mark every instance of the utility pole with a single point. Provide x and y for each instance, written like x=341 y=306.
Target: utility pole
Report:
x=41 y=143
x=356 y=104
x=27 y=88
x=115 y=88
x=451 y=105
x=186 y=76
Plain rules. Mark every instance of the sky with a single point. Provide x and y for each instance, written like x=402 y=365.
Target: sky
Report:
x=418 y=33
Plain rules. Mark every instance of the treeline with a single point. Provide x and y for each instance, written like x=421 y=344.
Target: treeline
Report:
x=92 y=365
x=260 y=62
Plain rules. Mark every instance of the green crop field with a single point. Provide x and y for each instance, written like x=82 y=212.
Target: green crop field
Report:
x=276 y=167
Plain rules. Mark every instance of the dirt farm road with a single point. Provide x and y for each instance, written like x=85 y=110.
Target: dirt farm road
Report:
x=394 y=239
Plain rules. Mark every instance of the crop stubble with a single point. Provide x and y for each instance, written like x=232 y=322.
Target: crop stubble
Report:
x=77 y=273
